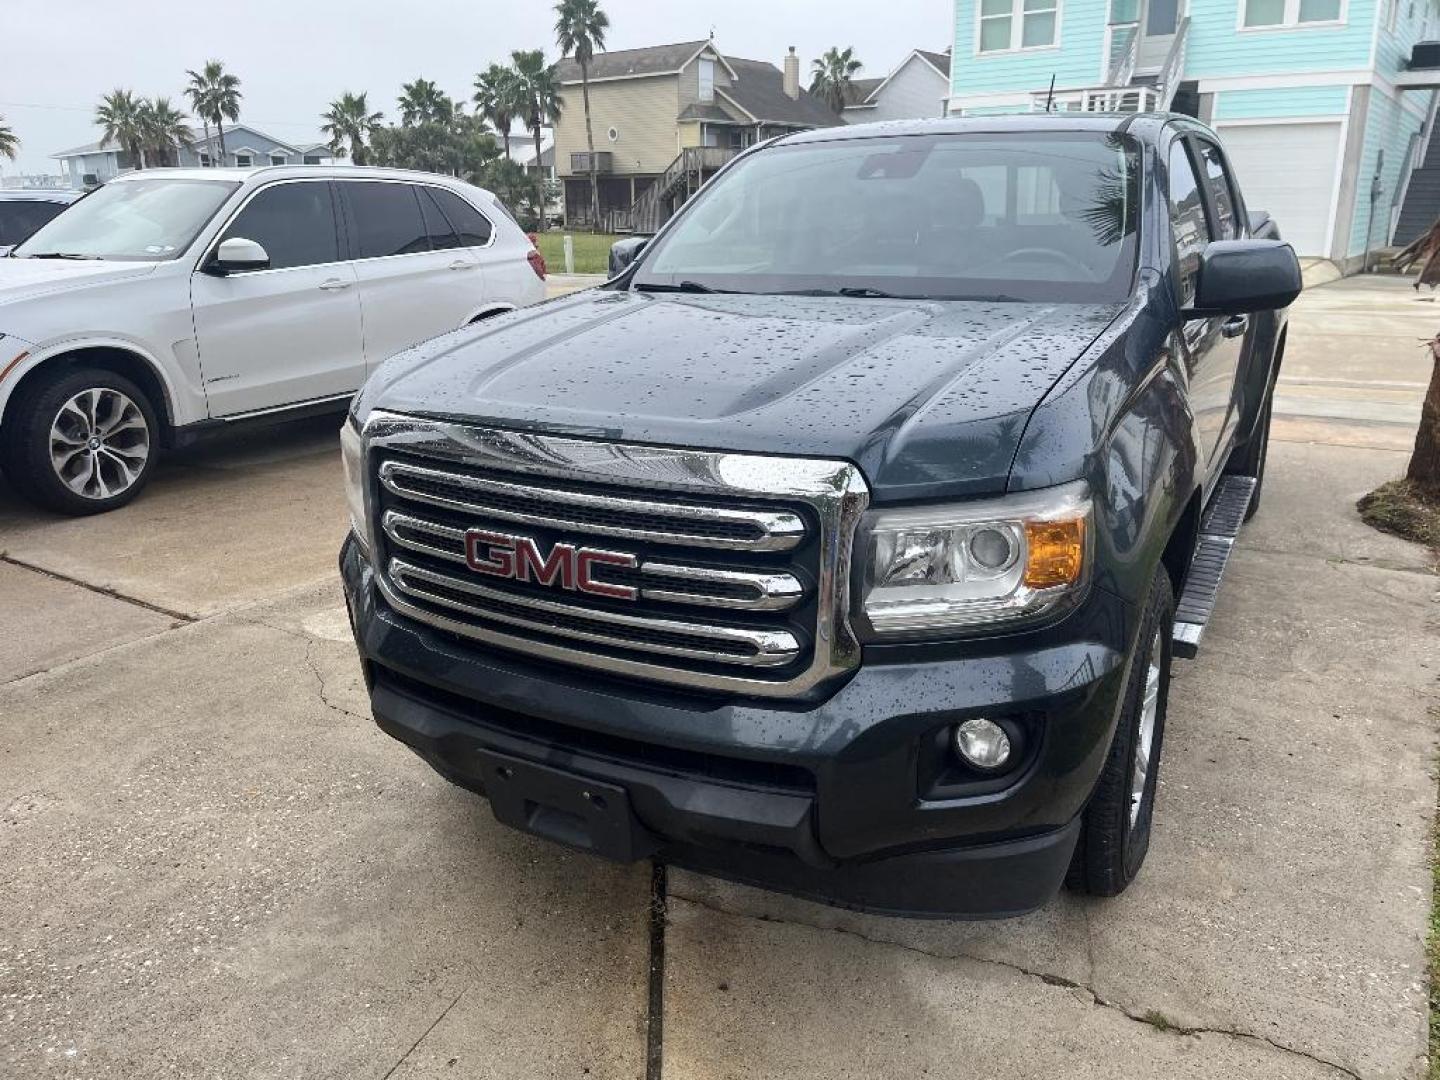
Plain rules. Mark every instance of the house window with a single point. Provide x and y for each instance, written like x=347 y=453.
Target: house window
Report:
x=1018 y=24
x=707 y=80
x=278 y=159
x=204 y=160
x=244 y=160
x=1266 y=13
x=312 y=159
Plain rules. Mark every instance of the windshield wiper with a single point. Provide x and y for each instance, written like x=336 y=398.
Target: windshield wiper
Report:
x=683 y=286
x=57 y=255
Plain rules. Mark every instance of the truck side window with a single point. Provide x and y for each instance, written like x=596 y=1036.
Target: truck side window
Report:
x=1187 y=216
x=1217 y=180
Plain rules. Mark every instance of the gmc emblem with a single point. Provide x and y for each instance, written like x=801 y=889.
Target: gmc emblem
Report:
x=518 y=558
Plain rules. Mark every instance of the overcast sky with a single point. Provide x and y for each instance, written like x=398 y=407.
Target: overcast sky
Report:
x=294 y=56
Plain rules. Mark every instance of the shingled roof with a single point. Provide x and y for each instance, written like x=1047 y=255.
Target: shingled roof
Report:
x=759 y=91
x=629 y=63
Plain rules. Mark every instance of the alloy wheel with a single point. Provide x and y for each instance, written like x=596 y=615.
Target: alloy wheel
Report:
x=99 y=443
x=1145 y=737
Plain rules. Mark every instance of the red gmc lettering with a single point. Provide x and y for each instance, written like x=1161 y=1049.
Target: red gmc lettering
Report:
x=518 y=558
x=585 y=579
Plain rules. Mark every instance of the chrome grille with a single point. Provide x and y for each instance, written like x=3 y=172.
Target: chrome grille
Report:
x=737 y=564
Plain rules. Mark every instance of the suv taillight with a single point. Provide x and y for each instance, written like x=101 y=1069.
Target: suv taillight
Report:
x=537 y=262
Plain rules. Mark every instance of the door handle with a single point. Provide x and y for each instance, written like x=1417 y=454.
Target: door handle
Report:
x=1234 y=327
x=461 y=264
x=335 y=283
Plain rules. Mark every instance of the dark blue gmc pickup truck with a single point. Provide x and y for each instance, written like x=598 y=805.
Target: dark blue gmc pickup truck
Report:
x=841 y=542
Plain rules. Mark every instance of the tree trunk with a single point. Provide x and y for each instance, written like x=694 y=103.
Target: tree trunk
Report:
x=506 y=136
x=539 y=180
x=1424 y=469
x=590 y=146
x=208 y=148
x=220 y=131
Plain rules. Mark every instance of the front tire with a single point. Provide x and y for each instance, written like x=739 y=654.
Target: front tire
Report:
x=84 y=441
x=1115 y=826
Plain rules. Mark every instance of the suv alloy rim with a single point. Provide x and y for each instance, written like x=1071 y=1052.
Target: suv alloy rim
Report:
x=1145 y=738
x=99 y=443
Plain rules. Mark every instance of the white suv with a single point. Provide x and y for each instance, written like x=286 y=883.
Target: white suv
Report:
x=172 y=301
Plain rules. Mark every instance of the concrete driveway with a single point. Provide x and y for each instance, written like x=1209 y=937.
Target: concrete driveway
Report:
x=214 y=865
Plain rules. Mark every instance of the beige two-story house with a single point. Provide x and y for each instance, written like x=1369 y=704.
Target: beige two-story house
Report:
x=665 y=119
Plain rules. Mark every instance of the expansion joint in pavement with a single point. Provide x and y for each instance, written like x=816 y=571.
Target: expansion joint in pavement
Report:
x=1150 y=1017
x=655 y=998
x=103 y=590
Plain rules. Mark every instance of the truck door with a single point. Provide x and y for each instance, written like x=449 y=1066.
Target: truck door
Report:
x=1210 y=348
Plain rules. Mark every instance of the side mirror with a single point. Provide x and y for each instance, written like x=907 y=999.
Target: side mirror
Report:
x=1238 y=277
x=624 y=252
x=236 y=255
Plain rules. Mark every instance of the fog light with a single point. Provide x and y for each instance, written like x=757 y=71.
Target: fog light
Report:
x=982 y=743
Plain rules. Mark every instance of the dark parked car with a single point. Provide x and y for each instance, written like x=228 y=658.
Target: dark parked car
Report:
x=841 y=543
x=24 y=211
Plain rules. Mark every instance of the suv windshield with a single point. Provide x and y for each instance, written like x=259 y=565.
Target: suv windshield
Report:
x=1034 y=216
x=135 y=220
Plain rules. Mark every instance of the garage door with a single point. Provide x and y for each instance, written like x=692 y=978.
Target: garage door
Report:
x=1289 y=170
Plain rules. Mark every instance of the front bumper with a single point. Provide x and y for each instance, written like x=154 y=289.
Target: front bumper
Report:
x=830 y=799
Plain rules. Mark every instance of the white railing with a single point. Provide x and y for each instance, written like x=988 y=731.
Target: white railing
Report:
x=1124 y=99
x=1173 y=70
x=1124 y=64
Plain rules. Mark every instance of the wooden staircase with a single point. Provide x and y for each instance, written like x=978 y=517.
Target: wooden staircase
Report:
x=681 y=179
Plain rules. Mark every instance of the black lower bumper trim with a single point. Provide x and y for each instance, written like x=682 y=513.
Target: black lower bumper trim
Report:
x=764 y=838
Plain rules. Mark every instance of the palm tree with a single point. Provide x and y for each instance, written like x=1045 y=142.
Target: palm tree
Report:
x=349 y=122
x=499 y=98
x=422 y=102
x=163 y=129
x=122 y=118
x=831 y=76
x=197 y=90
x=9 y=141
x=220 y=94
x=580 y=28
x=542 y=106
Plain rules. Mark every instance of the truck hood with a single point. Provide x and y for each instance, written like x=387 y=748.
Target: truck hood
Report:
x=929 y=398
x=26 y=279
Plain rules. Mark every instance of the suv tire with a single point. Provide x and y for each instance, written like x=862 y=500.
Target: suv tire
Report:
x=1115 y=825
x=84 y=441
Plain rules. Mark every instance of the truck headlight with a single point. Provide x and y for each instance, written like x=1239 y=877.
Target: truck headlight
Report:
x=968 y=566
x=352 y=456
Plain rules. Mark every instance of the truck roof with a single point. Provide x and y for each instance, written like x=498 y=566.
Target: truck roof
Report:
x=1141 y=124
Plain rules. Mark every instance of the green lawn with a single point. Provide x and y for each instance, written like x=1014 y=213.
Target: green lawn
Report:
x=592 y=251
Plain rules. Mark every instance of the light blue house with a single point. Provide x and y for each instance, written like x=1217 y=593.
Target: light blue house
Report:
x=1326 y=107
x=245 y=147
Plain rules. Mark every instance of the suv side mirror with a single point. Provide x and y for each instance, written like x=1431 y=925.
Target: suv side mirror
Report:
x=1238 y=277
x=624 y=252
x=238 y=254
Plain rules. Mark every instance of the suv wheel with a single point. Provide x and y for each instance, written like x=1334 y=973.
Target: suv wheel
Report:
x=84 y=442
x=1115 y=826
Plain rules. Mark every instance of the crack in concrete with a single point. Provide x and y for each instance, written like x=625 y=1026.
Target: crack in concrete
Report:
x=321 y=684
x=103 y=590
x=425 y=1034
x=1150 y=1018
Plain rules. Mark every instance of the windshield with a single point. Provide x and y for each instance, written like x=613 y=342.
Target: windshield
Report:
x=1033 y=216
x=143 y=220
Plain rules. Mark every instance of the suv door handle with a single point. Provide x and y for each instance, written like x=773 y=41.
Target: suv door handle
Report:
x=462 y=264
x=1234 y=327
x=335 y=283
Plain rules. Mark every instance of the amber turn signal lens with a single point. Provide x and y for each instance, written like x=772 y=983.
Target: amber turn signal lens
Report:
x=1057 y=552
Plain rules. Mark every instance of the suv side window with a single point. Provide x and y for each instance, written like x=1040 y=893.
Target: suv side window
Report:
x=442 y=237
x=1222 y=192
x=1187 y=217
x=473 y=227
x=385 y=218
x=293 y=222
